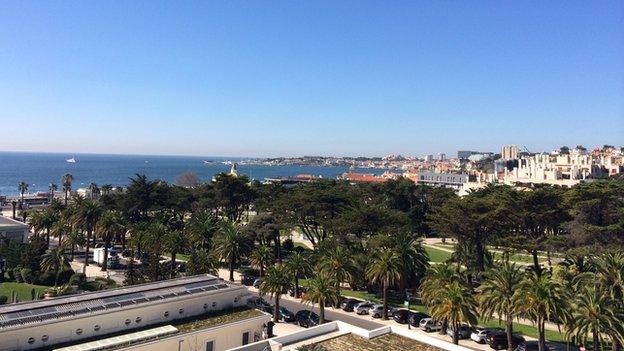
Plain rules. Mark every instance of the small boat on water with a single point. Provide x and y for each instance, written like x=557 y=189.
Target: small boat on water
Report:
x=71 y=160
x=208 y=162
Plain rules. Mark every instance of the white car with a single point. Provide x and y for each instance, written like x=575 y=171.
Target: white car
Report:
x=377 y=311
x=429 y=325
x=479 y=334
x=363 y=307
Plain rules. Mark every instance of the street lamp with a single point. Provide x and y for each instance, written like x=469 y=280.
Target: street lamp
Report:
x=408 y=296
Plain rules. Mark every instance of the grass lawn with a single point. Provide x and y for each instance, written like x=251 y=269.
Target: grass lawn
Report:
x=179 y=256
x=23 y=290
x=437 y=255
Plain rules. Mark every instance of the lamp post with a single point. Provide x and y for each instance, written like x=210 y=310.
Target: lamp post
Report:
x=408 y=296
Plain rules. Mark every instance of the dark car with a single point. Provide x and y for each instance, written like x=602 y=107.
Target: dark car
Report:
x=401 y=316
x=257 y=282
x=300 y=292
x=259 y=303
x=349 y=304
x=530 y=346
x=248 y=279
x=498 y=341
x=285 y=315
x=415 y=318
x=307 y=319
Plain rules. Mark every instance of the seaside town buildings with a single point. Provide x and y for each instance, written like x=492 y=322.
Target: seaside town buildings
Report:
x=13 y=230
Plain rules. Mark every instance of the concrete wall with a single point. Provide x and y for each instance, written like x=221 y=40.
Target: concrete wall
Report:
x=223 y=337
x=66 y=330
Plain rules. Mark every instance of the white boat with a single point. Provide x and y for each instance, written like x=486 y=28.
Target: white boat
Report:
x=71 y=160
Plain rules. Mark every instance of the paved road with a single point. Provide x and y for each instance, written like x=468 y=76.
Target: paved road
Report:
x=295 y=306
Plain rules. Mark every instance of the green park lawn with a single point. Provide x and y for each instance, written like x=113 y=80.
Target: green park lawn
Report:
x=437 y=255
x=23 y=290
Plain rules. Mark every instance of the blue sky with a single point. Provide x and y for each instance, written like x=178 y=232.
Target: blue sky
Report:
x=284 y=78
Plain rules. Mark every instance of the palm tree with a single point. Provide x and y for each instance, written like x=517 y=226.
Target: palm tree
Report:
x=298 y=265
x=436 y=281
x=52 y=188
x=49 y=218
x=610 y=274
x=456 y=305
x=542 y=298
x=93 y=190
x=55 y=260
x=230 y=244
x=202 y=227
x=413 y=255
x=106 y=189
x=499 y=294
x=62 y=227
x=597 y=314
x=107 y=226
x=66 y=181
x=23 y=188
x=87 y=215
x=321 y=290
x=74 y=238
x=385 y=269
x=261 y=257
x=335 y=262
x=201 y=262
x=275 y=283
x=174 y=242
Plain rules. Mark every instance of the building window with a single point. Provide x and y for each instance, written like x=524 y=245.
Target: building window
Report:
x=245 y=338
x=214 y=304
x=205 y=306
x=31 y=340
x=166 y=314
x=78 y=331
x=209 y=345
x=138 y=319
x=127 y=322
x=45 y=338
x=181 y=310
x=236 y=299
x=96 y=327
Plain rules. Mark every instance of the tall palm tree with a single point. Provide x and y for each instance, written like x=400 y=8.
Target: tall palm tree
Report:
x=597 y=314
x=230 y=244
x=261 y=257
x=436 y=281
x=610 y=274
x=23 y=188
x=299 y=265
x=413 y=255
x=62 y=227
x=107 y=226
x=94 y=190
x=202 y=227
x=337 y=262
x=456 y=305
x=66 y=181
x=499 y=294
x=201 y=262
x=321 y=291
x=87 y=215
x=49 y=218
x=174 y=242
x=385 y=269
x=106 y=189
x=55 y=260
x=52 y=188
x=276 y=281
x=542 y=299
x=74 y=238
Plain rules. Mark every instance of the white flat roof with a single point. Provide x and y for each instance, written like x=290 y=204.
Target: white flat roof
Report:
x=120 y=340
x=9 y=223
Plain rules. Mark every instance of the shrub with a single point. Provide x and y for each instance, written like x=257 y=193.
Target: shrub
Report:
x=288 y=245
x=77 y=279
x=65 y=276
x=27 y=275
x=46 y=278
x=3 y=299
x=17 y=274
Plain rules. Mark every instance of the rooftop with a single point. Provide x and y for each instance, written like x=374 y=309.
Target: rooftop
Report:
x=11 y=223
x=388 y=341
x=15 y=315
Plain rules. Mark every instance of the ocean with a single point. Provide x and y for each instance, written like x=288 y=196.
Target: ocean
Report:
x=41 y=169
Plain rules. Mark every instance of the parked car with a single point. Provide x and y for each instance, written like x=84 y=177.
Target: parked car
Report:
x=257 y=282
x=498 y=341
x=429 y=325
x=478 y=335
x=305 y=318
x=259 y=303
x=463 y=332
x=401 y=316
x=301 y=291
x=349 y=304
x=363 y=307
x=530 y=346
x=285 y=315
x=248 y=280
x=377 y=311
x=415 y=318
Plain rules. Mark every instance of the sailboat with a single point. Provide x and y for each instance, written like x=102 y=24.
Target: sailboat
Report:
x=71 y=160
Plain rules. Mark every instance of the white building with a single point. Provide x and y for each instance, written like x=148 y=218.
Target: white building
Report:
x=14 y=230
x=69 y=320
x=509 y=152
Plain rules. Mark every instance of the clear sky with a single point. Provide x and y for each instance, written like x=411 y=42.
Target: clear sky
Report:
x=286 y=78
